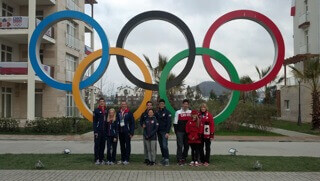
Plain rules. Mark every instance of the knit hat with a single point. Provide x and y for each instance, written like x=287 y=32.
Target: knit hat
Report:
x=194 y=112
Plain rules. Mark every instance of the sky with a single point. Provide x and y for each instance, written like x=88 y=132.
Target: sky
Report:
x=245 y=43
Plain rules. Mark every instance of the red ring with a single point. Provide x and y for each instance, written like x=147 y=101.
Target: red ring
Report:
x=274 y=33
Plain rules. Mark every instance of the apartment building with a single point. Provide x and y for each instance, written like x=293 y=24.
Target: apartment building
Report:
x=306 y=34
x=22 y=94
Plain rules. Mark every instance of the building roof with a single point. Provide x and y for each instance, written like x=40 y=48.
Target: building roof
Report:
x=91 y=2
x=299 y=58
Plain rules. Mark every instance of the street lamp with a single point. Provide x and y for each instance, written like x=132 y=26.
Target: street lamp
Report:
x=299 y=108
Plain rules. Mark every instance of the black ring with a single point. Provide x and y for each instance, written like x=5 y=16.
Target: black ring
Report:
x=156 y=15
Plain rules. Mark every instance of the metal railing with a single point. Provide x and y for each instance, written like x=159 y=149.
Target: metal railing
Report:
x=72 y=42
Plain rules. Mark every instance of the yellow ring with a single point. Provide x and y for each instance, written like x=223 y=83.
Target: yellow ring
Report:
x=86 y=62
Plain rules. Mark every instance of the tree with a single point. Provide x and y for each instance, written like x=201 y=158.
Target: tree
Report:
x=213 y=95
x=310 y=75
x=251 y=95
x=267 y=89
x=189 y=93
x=198 y=95
x=156 y=73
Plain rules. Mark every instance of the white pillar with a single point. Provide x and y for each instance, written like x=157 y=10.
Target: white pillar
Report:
x=31 y=74
x=92 y=91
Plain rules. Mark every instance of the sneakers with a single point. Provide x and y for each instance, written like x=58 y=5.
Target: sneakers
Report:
x=206 y=164
x=191 y=163
x=103 y=162
x=182 y=162
x=146 y=161
x=151 y=163
x=97 y=162
x=119 y=162
x=196 y=164
x=165 y=162
x=111 y=163
x=125 y=163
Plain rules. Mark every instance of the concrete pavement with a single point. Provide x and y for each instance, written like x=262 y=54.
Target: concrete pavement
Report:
x=36 y=175
x=310 y=149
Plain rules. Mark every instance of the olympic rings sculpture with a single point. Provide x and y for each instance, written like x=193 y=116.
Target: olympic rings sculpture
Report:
x=78 y=83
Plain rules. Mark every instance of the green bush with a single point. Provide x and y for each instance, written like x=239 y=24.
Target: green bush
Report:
x=63 y=125
x=9 y=125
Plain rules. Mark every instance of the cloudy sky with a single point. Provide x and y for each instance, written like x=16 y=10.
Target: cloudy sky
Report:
x=244 y=42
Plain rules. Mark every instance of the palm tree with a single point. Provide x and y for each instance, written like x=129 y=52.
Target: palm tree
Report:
x=245 y=95
x=310 y=75
x=156 y=73
x=267 y=89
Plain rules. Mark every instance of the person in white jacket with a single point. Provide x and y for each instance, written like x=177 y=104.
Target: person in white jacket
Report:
x=180 y=120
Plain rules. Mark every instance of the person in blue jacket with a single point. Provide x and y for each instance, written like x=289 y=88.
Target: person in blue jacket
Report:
x=99 y=129
x=150 y=135
x=164 y=119
x=143 y=117
x=126 y=128
x=112 y=136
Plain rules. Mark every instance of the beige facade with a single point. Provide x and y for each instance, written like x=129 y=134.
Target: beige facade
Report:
x=62 y=49
x=306 y=40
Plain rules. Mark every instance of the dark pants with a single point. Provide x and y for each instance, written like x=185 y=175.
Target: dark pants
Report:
x=183 y=146
x=125 y=146
x=99 y=146
x=163 y=142
x=111 y=149
x=206 y=142
x=195 y=151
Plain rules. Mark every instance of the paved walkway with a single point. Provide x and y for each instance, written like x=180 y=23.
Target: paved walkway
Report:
x=310 y=149
x=27 y=175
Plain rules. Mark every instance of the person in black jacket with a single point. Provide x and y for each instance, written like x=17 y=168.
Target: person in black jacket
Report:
x=150 y=135
x=112 y=136
x=126 y=128
x=99 y=129
x=164 y=120
x=143 y=117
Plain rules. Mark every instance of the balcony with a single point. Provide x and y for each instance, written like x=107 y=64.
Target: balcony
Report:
x=291 y=81
x=15 y=29
x=39 y=2
x=304 y=49
x=72 y=42
x=71 y=5
x=303 y=21
x=15 y=71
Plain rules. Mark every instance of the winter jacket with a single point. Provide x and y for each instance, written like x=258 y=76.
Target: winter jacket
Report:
x=194 y=132
x=143 y=117
x=208 y=124
x=125 y=122
x=164 y=119
x=150 y=131
x=112 y=129
x=99 y=120
x=180 y=120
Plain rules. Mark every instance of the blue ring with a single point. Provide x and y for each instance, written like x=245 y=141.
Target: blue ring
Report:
x=40 y=30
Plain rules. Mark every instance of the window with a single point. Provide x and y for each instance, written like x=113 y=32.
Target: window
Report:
x=6 y=10
x=286 y=104
x=71 y=63
x=39 y=15
x=71 y=108
x=41 y=55
x=71 y=28
x=6 y=53
x=306 y=34
x=6 y=94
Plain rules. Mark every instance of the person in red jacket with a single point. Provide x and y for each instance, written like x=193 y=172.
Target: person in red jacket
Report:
x=194 y=131
x=207 y=133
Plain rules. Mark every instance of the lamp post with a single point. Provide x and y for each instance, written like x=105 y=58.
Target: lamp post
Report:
x=299 y=108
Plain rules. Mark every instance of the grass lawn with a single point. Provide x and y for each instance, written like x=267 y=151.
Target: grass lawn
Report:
x=245 y=131
x=292 y=126
x=219 y=162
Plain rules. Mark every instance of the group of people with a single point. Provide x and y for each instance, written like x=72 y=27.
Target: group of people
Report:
x=193 y=128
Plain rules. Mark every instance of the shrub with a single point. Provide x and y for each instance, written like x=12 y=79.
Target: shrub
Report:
x=9 y=125
x=56 y=125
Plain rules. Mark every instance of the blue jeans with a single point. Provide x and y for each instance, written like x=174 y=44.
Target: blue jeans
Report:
x=163 y=142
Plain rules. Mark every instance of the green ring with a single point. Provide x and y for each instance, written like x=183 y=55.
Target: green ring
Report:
x=215 y=55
